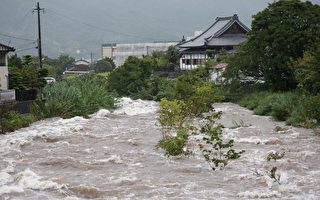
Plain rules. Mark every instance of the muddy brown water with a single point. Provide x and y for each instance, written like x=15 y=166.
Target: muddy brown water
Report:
x=113 y=156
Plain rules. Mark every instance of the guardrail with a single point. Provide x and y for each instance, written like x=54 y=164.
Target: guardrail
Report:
x=7 y=95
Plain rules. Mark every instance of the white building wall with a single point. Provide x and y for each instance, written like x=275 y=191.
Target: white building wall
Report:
x=139 y=49
x=4 y=73
x=108 y=51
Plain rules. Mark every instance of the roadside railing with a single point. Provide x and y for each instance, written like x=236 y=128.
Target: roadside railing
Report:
x=7 y=95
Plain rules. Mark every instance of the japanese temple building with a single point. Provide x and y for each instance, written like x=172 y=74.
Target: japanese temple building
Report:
x=224 y=34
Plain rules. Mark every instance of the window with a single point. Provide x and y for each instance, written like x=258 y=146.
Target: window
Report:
x=195 y=61
x=202 y=61
x=2 y=59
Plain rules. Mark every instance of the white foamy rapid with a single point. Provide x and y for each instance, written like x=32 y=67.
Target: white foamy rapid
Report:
x=112 y=155
x=136 y=107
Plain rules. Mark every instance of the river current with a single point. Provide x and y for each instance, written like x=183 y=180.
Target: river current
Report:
x=113 y=156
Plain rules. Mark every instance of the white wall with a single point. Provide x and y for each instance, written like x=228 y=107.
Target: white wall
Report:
x=4 y=73
x=139 y=49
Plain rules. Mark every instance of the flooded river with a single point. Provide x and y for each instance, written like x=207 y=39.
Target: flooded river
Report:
x=113 y=156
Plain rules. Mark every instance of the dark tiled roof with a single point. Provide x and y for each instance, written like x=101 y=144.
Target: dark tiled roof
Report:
x=213 y=36
x=5 y=48
x=227 y=40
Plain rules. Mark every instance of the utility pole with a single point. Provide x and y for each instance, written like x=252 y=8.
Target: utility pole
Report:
x=38 y=9
x=91 y=56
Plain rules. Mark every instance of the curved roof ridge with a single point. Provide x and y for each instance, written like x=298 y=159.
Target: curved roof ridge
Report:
x=229 y=24
x=6 y=48
x=217 y=20
x=220 y=25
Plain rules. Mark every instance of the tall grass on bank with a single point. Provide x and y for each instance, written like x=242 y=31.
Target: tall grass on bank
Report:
x=293 y=107
x=14 y=121
x=79 y=96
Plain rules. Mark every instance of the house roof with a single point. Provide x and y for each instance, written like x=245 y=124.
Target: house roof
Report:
x=215 y=34
x=5 y=48
x=81 y=62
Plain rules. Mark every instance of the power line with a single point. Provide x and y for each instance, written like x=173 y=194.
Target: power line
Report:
x=99 y=28
x=24 y=49
x=19 y=38
x=20 y=22
x=25 y=45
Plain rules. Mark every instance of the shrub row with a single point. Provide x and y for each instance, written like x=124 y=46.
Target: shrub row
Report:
x=293 y=107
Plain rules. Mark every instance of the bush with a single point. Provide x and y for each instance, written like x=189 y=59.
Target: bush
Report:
x=252 y=101
x=79 y=96
x=162 y=88
x=172 y=113
x=13 y=121
x=132 y=78
x=174 y=146
x=295 y=108
x=203 y=97
x=312 y=108
x=278 y=105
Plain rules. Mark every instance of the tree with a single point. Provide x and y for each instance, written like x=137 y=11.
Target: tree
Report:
x=104 y=65
x=26 y=76
x=280 y=33
x=14 y=61
x=59 y=64
x=132 y=78
x=173 y=57
x=166 y=61
x=307 y=70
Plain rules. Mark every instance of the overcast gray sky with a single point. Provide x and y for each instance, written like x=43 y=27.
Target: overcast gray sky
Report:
x=71 y=25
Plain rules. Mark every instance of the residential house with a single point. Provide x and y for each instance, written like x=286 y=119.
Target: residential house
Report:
x=223 y=35
x=79 y=67
x=5 y=93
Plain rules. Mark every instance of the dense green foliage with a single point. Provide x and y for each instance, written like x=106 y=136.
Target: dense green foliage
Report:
x=79 y=96
x=104 y=65
x=175 y=146
x=132 y=78
x=282 y=53
x=172 y=113
x=56 y=66
x=25 y=74
x=166 y=61
x=280 y=33
x=293 y=107
x=13 y=121
x=192 y=96
x=307 y=70
x=194 y=88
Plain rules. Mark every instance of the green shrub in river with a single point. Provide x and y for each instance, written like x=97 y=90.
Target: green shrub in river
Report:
x=176 y=145
x=216 y=151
